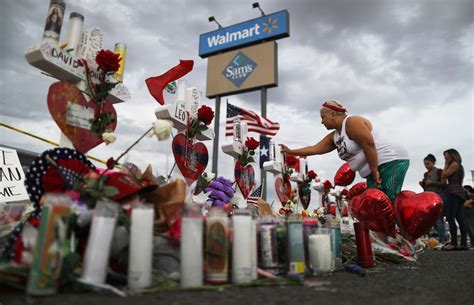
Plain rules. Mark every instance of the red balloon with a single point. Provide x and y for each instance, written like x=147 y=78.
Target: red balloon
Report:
x=374 y=207
x=357 y=189
x=344 y=175
x=417 y=213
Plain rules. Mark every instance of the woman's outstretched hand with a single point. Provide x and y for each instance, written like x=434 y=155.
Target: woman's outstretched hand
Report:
x=284 y=148
x=377 y=179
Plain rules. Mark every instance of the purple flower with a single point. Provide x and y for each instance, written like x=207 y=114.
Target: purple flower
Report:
x=219 y=203
x=229 y=191
x=217 y=185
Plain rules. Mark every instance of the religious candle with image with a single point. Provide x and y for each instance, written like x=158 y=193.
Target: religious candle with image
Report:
x=217 y=246
x=54 y=21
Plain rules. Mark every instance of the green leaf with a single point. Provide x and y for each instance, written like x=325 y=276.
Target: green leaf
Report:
x=110 y=191
x=251 y=152
x=202 y=128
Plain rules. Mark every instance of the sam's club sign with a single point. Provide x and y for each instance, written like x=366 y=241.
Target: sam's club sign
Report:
x=268 y=27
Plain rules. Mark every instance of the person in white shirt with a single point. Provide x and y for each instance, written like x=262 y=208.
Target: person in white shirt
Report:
x=382 y=163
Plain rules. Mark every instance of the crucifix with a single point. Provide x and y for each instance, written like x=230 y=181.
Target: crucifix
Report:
x=190 y=155
x=276 y=166
x=63 y=62
x=244 y=175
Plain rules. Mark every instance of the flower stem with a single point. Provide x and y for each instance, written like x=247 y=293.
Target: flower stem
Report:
x=134 y=143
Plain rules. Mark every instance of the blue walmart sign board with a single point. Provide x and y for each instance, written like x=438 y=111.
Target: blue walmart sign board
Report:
x=268 y=27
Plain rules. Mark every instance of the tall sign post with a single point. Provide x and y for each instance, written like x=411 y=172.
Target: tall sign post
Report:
x=242 y=58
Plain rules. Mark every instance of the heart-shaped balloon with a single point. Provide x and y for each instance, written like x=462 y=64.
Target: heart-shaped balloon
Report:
x=280 y=189
x=357 y=189
x=72 y=112
x=191 y=158
x=417 y=213
x=245 y=177
x=374 y=207
x=304 y=192
x=344 y=175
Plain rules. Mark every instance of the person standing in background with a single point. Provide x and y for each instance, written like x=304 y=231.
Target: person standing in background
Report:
x=432 y=183
x=469 y=213
x=453 y=172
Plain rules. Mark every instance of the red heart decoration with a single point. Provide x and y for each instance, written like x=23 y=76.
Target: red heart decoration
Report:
x=59 y=95
x=374 y=207
x=191 y=159
x=280 y=188
x=344 y=175
x=417 y=213
x=357 y=189
x=245 y=177
x=305 y=197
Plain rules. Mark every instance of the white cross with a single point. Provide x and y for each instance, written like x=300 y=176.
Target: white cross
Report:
x=235 y=150
x=63 y=64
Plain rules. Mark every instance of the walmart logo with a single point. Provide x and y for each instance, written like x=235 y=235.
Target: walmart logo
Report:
x=269 y=25
x=239 y=69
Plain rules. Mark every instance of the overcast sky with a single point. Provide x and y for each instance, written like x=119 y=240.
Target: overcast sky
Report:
x=405 y=65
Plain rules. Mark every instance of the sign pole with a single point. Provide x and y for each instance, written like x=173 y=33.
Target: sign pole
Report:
x=263 y=174
x=215 y=148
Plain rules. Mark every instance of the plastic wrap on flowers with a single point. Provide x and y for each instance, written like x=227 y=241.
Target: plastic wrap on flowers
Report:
x=417 y=213
x=220 y=190
x=344 y=175
x=374 y=207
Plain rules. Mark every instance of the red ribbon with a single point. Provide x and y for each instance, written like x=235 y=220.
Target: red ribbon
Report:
x=335 y=108
x=157 y=84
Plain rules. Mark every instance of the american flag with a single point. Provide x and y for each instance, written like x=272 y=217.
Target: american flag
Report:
x=254 y=122
x=256 y=194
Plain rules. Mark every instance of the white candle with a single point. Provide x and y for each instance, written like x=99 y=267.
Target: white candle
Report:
x=141 y=248
x=241 y=247
x=76 y=21
x=191 y=248
x=100 y=240
x=253 y=241
x=320 y=253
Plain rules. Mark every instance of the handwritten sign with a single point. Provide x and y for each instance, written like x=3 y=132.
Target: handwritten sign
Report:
x=78 y=115
x=12 y=177
x=92 y=41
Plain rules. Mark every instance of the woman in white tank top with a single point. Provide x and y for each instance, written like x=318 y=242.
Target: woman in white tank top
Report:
x=383 y=164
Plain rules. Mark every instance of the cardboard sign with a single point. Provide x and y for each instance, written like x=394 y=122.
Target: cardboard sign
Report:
x=12 y=177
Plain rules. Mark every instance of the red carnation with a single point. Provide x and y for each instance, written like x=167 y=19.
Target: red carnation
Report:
x=312 y=174
x=108 y=61
x=205 y=114
x=251 y=143
x=327 y=185
x=291 y=161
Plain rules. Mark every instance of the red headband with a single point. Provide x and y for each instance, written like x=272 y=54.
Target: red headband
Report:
x=334 y=107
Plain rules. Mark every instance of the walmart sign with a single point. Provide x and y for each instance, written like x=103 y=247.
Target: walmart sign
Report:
x=268 y=27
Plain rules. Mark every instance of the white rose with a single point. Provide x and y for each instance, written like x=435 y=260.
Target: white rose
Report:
x=161 y=129
x=209 y=176
x=108 y=137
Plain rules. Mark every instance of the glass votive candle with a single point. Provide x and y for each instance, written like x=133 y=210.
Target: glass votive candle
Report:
x=320 y=252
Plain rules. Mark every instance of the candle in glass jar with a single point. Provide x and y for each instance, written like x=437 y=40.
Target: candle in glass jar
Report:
x=320 y=253
x=191 y=247
x=141 y=247
x=241 y=246
x=217 y=246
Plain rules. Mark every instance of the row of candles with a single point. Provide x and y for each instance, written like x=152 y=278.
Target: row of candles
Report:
x=216 y=250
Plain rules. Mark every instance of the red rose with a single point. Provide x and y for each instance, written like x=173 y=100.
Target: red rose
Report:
x=327 y=185
x=110 y=163
x=205 y=114
x=312 y=174
x=291 y=161
x=108 y=61
x=251 y=143
x=344 y=192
